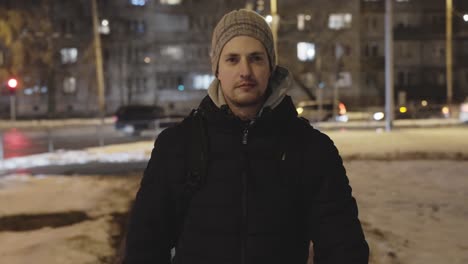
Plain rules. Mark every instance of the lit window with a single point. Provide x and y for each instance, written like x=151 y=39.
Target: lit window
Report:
x=344 y=79
x=28 y=91
x=305 y=51
x=69 y=55
x=104 y=28
x=69 y=85
x=170 y=2
x=260 y=6
x=300 y=22
x=202 y=81
x=173 y=52
x=138 y=2
x=340 y=21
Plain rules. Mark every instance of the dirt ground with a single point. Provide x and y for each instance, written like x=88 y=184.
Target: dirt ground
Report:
x=413 y=212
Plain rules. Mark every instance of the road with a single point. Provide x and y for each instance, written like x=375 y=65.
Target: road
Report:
x=19 y=142
x=23 y=141
x=95 y=168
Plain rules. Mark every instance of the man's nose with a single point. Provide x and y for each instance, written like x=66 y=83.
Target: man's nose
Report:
x=245 y=68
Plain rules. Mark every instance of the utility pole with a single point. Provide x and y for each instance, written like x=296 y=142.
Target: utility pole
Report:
x=99 y=70
x=99 y=65
x=449 y=53
x=13 y=107
x=275 y=25
x=389 y=104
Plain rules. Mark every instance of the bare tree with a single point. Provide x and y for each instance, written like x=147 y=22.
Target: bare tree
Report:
x=26 y=40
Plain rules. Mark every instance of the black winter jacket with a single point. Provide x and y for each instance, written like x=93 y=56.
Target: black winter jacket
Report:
x=271 y=187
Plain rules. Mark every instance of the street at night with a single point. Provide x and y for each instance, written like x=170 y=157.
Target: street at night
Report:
x=19 y=142
x=238 y=95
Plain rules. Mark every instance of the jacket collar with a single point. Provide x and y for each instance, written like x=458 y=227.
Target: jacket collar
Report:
x=269 y=117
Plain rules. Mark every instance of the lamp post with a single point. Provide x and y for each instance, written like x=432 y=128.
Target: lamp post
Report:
x=12 y=84
x=275 y=25
x=98 y=54
x=99 y=70
x=448 y=52
x=389 y=104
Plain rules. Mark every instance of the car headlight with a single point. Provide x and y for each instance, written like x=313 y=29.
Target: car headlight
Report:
x=445 y=110
x=379 y=116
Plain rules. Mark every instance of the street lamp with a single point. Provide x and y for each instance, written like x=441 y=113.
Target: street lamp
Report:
x=275 y=24
x=448 y=51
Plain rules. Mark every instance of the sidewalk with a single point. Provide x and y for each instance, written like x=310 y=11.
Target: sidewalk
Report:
x=410 y=186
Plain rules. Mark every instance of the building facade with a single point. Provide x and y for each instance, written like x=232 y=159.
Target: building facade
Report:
x=419 y=28
x=319 y=43
x=157 y=52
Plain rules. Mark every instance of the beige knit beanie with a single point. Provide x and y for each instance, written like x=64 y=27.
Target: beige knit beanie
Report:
x=241 y=22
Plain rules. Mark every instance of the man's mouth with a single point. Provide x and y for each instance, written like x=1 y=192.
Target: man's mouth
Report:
x=247 y=84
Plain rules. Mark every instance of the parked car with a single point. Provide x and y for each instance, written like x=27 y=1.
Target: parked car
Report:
x=432 y=111
x=463 y=116
x=133 y=119
x=312 y=112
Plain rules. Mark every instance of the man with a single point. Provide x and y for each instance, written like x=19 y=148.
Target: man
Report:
x=269 y=183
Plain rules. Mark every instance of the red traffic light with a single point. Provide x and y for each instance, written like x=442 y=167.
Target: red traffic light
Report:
x=12 y=83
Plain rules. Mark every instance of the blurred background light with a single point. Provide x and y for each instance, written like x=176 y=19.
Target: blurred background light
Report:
x=379 y=116
x=305 y=51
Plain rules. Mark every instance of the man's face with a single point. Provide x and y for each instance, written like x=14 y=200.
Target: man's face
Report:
x=243 y=71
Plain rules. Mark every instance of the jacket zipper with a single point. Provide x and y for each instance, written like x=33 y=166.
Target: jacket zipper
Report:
x=244 y=201
x=245 y=135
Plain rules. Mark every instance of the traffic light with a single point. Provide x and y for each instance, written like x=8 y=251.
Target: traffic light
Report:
x=180 y=84
x=12 y=84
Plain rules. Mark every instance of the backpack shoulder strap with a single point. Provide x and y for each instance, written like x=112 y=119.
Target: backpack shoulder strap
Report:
x=198 y=148
x=196 y=137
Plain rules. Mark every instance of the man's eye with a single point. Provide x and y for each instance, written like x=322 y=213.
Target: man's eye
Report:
x=231 y=60
x=257 y=58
